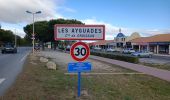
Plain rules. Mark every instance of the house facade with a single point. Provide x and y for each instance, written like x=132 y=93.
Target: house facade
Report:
x=159 y=44
x=120 y=42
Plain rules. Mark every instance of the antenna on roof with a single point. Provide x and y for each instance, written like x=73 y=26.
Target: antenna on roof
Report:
x=119 y=30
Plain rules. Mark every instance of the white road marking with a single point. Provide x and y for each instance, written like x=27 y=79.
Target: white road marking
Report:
x=2 y=80
x=23 y=57
x=104 y=73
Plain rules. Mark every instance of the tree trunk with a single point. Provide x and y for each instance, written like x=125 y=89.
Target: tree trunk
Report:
x=55 y=45
x=42 y=43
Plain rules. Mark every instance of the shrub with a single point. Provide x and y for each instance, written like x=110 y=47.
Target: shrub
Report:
x=116 y=57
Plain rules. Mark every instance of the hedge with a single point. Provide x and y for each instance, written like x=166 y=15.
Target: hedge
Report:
x=116 y=57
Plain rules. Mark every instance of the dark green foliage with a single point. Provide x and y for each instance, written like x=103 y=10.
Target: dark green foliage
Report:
x=6 y=36
x=117 y=57
x=44 y=30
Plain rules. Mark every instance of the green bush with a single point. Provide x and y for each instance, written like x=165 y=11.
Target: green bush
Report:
x=117 y=57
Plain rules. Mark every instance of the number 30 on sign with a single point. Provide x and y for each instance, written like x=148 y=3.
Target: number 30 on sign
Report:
x=80 y=51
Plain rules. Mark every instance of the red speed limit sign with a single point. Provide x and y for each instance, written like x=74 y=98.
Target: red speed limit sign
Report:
x=80 y=51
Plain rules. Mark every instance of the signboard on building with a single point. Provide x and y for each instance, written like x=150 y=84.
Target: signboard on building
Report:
x=79 y=32
x=159 y=43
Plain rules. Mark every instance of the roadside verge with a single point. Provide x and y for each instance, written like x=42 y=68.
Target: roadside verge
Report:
x=36 y=82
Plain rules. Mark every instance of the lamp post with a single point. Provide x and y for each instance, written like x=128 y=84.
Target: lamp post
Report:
x=15 y=38
x=33 y=34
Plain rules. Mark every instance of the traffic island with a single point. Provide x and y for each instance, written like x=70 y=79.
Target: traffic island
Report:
x=36 y=82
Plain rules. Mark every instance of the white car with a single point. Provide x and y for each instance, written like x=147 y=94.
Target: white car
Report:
x=143 y=54
x=110 y=50
x=128 y=50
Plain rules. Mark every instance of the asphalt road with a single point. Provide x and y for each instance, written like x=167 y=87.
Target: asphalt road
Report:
x=10 y=66
x=161 y=57
x=157 y=59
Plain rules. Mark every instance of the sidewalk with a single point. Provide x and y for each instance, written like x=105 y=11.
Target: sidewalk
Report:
x=159 y=73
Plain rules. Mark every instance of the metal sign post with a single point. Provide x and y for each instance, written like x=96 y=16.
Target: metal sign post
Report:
x=79 y=67
x=79 y=84
x=80 y=50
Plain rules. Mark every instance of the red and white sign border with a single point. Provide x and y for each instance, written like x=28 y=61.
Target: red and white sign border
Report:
x=72 y=51
x=77 y=25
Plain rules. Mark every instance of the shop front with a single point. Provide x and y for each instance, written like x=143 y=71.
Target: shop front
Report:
x=160 y=47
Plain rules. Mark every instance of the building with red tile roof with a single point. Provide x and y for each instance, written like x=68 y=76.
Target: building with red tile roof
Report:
x=158 y=43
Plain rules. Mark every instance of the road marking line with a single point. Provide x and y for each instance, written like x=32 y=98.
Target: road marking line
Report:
x=105 y=73
x=1 y=80
x=23 y=57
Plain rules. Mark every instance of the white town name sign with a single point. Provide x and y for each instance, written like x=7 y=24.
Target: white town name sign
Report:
x=79 y=32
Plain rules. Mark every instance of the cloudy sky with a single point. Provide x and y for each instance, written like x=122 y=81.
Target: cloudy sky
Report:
x=148 y=17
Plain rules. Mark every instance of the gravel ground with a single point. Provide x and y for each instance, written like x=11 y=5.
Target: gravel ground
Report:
x=62 y=59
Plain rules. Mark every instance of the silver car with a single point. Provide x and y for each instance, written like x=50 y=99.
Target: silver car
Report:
x=110 y=50
x=143 y=54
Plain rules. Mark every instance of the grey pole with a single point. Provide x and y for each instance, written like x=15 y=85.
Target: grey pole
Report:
x=33 y=35
x=15 y=38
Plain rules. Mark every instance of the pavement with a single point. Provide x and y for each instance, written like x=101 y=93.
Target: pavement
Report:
x=10 y=66
x=159 y=73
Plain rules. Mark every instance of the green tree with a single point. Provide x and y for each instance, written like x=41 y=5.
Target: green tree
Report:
x=6 y=36
x=44 y=30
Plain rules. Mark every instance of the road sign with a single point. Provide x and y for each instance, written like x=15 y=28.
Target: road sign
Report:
x=79 y=67
x=80 y=51
x=79 y=32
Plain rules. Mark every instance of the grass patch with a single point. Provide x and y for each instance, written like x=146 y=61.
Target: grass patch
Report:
x=38 y=83
x=111 y=69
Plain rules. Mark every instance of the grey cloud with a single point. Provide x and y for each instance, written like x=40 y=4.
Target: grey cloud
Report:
x=13 y=11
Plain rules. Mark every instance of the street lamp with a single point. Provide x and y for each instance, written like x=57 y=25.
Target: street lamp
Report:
x=15 y=38
x=33 y=34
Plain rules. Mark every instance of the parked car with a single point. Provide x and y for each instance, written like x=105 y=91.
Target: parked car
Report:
x=97 y=48
x=68 y=48
x=143 y=54
x=9 y=48
x=37 y=47
x=128 y=50
x=110 y=50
